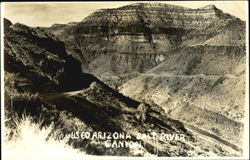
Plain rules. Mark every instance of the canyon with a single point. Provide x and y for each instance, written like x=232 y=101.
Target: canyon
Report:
x=185 y=66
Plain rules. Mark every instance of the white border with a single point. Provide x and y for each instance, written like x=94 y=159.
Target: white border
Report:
x=246 y=127
x=2 y=82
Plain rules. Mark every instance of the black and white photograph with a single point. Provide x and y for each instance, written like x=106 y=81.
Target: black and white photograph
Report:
x=124 y=79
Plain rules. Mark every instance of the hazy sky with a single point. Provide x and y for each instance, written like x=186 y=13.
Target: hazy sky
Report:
x=46 y=14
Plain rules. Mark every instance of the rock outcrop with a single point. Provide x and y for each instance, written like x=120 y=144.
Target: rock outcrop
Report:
x=45 y=58
x=7 y=23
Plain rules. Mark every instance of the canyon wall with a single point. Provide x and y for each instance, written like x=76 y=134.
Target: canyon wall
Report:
x=138 y=37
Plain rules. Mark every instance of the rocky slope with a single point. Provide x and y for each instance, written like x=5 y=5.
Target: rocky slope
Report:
x=44 y=81
x=45 y=57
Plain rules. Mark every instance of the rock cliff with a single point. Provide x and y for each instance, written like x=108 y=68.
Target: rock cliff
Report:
x=138 y=37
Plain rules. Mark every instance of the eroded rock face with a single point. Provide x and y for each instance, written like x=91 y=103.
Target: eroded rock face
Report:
x=152 y=26
x=154 y=16
x=138 y=37
x=148 y=28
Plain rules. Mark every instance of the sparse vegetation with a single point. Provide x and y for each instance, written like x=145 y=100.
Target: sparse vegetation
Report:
x=30 y=140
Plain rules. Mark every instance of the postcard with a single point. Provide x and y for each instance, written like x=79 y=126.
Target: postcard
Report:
x=124 y=79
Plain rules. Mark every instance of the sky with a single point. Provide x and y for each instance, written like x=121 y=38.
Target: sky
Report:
x=45 y=13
